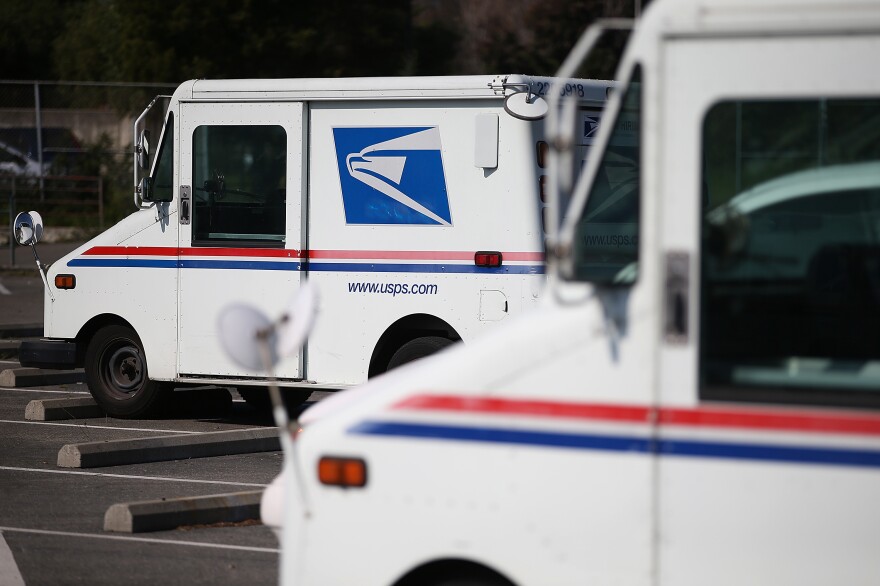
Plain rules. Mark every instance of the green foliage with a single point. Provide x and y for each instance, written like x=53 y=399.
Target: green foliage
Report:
x=29 y=27
x=169 y=41
x=554 y=27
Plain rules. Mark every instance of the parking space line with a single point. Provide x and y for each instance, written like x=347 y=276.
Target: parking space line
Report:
x=140 y=539
x=44 y=391
x=9 y=574
x=83 y=426
x=4 y=290
x=131 y=477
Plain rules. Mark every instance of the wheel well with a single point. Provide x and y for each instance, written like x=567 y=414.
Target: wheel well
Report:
x=402 y=331
x=440 y=571
x=88 y=331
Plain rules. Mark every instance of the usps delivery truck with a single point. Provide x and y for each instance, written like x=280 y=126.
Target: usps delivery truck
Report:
x=413 y=204
x=696 y=399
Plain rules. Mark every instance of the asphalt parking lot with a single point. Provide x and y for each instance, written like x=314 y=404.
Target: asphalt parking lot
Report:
x=52 y=518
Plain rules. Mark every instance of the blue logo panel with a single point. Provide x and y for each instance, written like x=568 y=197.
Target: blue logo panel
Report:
x=392 y=175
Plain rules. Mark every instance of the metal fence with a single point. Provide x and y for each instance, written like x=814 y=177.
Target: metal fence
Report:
x=67 y=147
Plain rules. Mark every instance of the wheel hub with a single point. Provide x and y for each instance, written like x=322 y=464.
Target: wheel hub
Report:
x=126 y=371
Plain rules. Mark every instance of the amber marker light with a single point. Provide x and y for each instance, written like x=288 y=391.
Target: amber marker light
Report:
x=344 y=472
x=65 y=281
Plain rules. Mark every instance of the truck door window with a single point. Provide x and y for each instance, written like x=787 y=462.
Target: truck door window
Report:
x=163 y=173
x=239 y=185
x=606 y=244
x=791 y=252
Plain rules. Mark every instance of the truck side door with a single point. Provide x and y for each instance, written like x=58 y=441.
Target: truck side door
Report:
x=240 y=228
x=770 y=198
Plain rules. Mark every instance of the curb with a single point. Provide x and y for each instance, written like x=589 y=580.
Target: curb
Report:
x=172 y=513
x=35 y=377
x=57 y=409
x=174 y=447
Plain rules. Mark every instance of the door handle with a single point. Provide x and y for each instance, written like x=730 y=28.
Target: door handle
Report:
x=185 y=204
x=677 y=297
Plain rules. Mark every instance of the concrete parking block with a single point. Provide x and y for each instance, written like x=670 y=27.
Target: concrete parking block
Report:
x=172 y=513
x=35 y=377
x=174 y=447
x=58 y=409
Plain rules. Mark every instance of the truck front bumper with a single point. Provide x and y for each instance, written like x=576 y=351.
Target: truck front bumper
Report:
x=57 y=354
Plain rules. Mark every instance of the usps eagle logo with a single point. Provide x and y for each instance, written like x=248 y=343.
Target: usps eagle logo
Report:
x=392 y=175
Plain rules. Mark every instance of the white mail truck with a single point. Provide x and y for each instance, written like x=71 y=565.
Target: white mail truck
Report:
x=413 y=204
x=696 y=398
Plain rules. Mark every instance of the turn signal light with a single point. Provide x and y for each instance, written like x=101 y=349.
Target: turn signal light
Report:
x=65 y=281
x=487 y=259
x=345 y=472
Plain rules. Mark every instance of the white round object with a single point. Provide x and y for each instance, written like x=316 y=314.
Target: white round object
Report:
x=239 y=325
x=526 y=106
x=299 y=319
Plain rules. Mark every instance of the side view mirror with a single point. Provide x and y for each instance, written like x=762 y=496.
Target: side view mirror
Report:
x=146 y=188
x=28 y=228
x=142 y=150
x=254 y=341
x=243 y=329
x=215 y=186
x=727 y=234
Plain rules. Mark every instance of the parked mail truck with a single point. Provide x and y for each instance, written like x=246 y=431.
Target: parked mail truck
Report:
x=413 y=204
x=696 y=398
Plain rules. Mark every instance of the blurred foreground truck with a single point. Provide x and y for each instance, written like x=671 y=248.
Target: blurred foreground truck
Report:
x=413 y=204
x=696 y=398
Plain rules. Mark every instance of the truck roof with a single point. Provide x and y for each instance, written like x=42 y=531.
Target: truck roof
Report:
x=371 y=88
x=757 y=17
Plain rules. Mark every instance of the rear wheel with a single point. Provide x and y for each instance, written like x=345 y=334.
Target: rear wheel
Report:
x=116 y=372
x=418 y=348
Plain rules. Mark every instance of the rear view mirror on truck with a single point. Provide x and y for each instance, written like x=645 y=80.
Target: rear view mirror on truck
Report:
x=142 y=149
x=146 y=189
x=28 y=228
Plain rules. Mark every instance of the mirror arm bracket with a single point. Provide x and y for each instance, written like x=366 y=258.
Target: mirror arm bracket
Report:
x=43 y=269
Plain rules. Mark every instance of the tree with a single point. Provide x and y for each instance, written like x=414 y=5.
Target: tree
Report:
x=29 y=27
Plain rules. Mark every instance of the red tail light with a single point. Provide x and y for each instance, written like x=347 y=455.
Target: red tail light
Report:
x=487 y=259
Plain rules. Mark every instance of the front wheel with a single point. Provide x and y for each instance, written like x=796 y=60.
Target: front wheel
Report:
x=418 y=348
x=116 y=372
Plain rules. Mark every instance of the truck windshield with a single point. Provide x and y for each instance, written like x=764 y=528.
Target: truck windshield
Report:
x=606 y=242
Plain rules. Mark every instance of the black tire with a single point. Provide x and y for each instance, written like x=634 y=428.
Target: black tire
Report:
x=476 y=576
x=258 y=397
x=472 y=581
x=418 y=348
x=116 y=372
